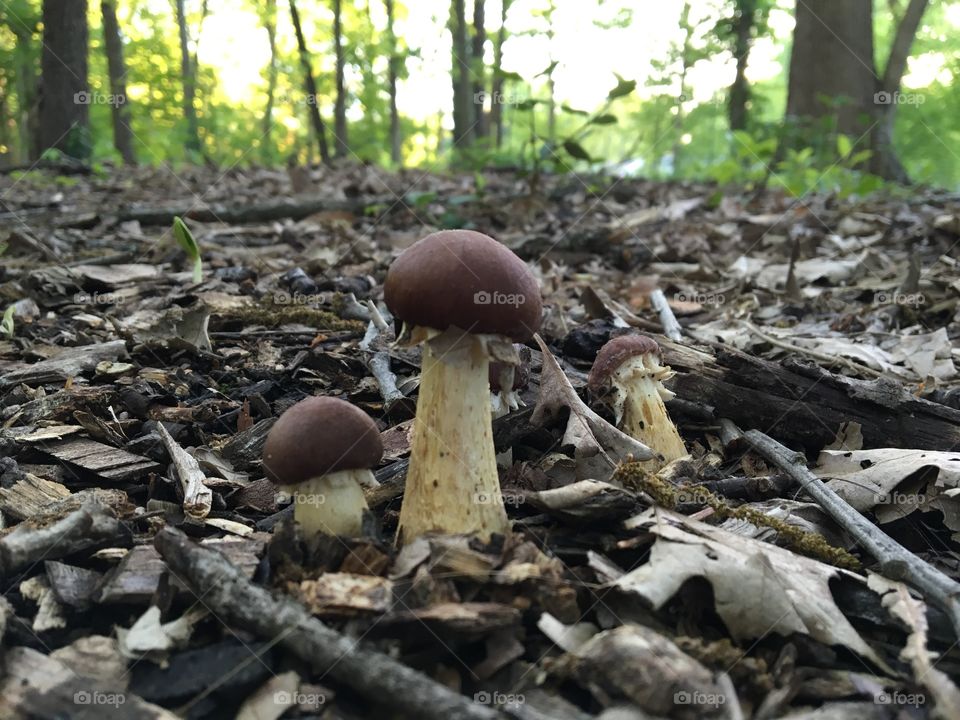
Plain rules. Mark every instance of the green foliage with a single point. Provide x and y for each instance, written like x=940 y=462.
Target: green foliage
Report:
x=186 y=240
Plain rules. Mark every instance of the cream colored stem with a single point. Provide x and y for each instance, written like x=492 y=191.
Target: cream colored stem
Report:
x=644 y=416
x=452 y=484
x=331 y=504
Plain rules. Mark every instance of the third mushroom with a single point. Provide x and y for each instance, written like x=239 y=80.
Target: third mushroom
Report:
x=465 y=298
x=629 y=375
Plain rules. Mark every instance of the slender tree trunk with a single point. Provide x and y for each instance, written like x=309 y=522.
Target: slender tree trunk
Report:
x=65 y=97
x=686 y=62
x=884 y=161
x=740 y=90
x=340 y=145
x=478 y=68
x=496 y=107
x=319 y=129
x=270 y=24
x=122 y=135
x=187 y=77
x=26 y=83
x=392 y=72
x=462 y=87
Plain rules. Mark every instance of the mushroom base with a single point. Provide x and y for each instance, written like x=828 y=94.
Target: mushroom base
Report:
x=331 y=504
x=452 y=484
x=643 y=416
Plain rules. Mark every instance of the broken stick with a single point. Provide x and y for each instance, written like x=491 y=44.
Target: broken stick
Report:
x=896 y=562
x=229 y=594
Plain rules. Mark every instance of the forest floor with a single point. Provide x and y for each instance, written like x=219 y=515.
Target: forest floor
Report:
x=733 y=584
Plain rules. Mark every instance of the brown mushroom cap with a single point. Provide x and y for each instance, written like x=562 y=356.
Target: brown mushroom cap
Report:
x=616 y=352
x=465 y=279
x=318 y=436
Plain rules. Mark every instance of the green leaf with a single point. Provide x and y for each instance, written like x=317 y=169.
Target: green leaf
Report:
x=624 y=87
x=573 y=111
x=528 y=104
x=186 y=240
x=861 y=156
x=509 y=75
x=844 y=145
x=604 y=119
x=575 y=150
x=6 y=325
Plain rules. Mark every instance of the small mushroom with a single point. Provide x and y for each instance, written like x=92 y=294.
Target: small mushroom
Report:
x=465 y=297
x=320 y=451
x=628 y=374
x=512 y=377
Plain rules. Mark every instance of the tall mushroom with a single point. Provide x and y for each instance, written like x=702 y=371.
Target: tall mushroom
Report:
x=465 y=297
x=320 y=451
x=627 y=373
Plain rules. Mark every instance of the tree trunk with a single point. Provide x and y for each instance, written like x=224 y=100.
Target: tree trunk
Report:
x=496 y=107
x=393 y=72
x=188 y=79
x=477 y=69
x=341 y=148
x=746 y=11
x=25 y=74
x=884 y=161
x=270 y=24
x=462 y=87
x=319 y=130
x=65 y=97
x=832 y=57
x=122 y=135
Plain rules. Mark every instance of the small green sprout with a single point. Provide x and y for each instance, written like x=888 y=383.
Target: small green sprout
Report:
x=185 y=239
x=6 y=325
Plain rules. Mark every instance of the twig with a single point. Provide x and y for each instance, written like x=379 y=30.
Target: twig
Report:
x=671 y=328
x=896 y=562
x=230 y=595
x=378 y=360
x=823 y=357
x=84 y=528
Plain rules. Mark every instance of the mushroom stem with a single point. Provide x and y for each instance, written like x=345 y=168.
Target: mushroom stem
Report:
x=452 y=484
x=640 y=410
x=332 y=504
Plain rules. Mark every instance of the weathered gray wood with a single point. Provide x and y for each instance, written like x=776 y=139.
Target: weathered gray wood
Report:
x=106 y=461
x=69 y=363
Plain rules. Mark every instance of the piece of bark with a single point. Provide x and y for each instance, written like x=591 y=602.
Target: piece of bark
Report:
x=345 y=594
x=38 y=686
x=137 y=576
x=89 y=527
x=73 y=586
x=232 y=597
x=108 y=462
x=62 y=403
x=197 y=497
x=69 y=363
x=800 y=403
x=27 y=497
x=245 y=448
